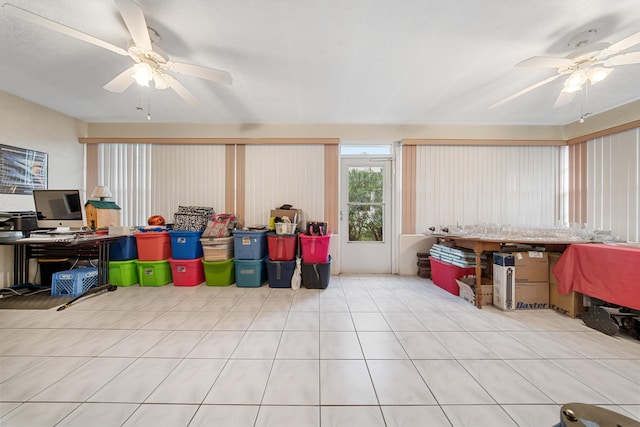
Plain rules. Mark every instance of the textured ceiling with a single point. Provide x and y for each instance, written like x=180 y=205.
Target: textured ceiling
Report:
x=394 y=62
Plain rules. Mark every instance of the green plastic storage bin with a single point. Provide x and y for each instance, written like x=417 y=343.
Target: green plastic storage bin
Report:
x=219 y=273
x=123 y=273
x=154 y=273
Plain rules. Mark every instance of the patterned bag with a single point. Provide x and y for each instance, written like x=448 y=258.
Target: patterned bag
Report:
x=192 y=218
x=221 y=226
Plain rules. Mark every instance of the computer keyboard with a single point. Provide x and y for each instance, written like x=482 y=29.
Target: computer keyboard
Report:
x=46 y=238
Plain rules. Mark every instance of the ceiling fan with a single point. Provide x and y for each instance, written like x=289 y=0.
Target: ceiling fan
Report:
x=151 y=63
x=589 y=65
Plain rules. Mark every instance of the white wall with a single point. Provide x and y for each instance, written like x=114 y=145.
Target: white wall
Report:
x=28 y=125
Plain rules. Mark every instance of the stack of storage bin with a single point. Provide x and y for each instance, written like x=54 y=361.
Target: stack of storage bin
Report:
x=154 y=251
x=281 y=262
x=122 y=261
x=218 y=260
x=316 y=261
x=186 y=258
x=250 y=254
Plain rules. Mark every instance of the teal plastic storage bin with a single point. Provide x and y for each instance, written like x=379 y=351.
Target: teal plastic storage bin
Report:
x=250 y=273
x=249 y=244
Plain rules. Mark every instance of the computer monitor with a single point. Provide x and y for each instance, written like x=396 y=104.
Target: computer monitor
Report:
x=59 y=209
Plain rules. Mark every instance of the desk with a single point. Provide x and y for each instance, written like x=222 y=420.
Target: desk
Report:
x=604 y=271
x=87 y=247
x=479 y=245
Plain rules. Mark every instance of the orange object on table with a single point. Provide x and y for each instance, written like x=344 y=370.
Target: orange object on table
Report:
x=606 y=271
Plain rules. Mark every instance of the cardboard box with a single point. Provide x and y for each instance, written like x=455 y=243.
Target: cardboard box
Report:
x=570 y=304
x=468 y=292
x=531 y=295
x=289 y=213
x=531 y=266
x=554 y=257
x=504 y=287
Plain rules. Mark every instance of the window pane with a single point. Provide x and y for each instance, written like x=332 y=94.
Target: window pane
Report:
x=365 y=223
x=350 y=150
x=365 y=184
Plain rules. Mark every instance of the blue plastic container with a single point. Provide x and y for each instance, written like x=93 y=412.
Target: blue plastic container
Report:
x=279 y=273
x=185 y=244
x=249 y=244
x=123 y=249
x=250 y=273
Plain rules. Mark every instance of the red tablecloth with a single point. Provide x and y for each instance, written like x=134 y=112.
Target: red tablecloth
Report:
x=607 y=272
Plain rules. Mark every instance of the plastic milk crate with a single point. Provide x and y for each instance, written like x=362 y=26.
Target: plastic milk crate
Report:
x=73 y=283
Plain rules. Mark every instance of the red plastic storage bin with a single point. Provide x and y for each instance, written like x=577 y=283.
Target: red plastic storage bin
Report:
x=153 y=245
x=444 y=275
x=315 y=249
x=187 y=272
x=282 y=247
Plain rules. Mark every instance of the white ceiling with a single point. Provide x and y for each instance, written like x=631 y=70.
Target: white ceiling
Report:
x=394 y=62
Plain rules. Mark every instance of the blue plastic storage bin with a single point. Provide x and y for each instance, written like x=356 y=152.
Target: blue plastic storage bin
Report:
x=123 y=249
x=249 y=244
x=279 y=273
x=185 y=244
x=250 y=273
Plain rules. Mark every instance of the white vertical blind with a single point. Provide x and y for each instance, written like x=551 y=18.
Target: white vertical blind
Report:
x=187 y=175
x=516 y=186
x=613 y=184
x=155 y=179
x=126 y=170
x=279 y=174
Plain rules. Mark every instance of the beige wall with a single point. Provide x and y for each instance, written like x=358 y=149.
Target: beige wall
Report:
x=28 y=125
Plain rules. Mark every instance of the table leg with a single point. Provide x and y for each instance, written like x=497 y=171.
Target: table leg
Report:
x=478 y=252
x=20 y=264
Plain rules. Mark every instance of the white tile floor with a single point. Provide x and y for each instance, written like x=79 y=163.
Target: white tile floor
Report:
x=368 y=351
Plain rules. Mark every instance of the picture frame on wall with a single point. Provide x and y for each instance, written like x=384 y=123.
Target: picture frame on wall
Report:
x=22 y=170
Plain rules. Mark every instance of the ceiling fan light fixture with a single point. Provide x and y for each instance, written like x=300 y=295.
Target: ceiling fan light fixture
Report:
x=159 y=81
x=142 y=73
x=574 y=82
x=598 y=74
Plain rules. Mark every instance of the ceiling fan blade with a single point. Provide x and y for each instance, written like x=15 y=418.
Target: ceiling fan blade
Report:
x=27 y=16
x=564 y=98
x=525 y=90
x=623 y=44
x=182 y=91
x=201 y=72
x=624 y=59
x=121 y=82
x=544 y=62
x=135 y=21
